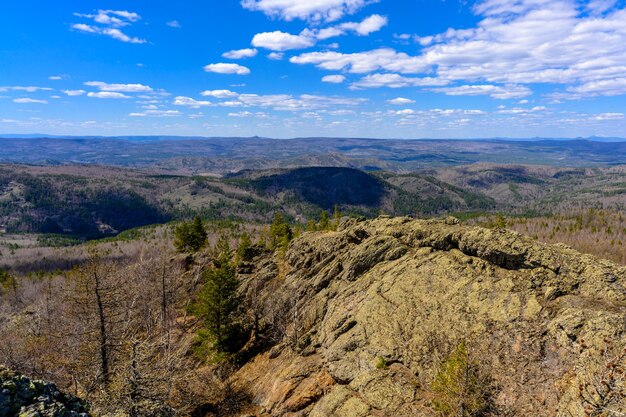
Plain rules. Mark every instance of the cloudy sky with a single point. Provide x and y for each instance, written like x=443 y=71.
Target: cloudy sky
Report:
x=286 y=68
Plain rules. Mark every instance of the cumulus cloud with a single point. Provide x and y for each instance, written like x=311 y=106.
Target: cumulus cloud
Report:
x=281 y=41
x=223 y=68
x=190 y=102
x=219 y=93
x=157 y=113
x=519 y=110
x=240 y=53
x=399 y=101
x=530 y=41
x=174 y=24
x=494 y=91
x=29 y=100
x=122 y=88
x=363 y=62
x=369 y=25
x=73 y=93
x=606 y=87
x=396 y=81
x=608 y=116
x=288 y=102
x=317 y=11
x=107 y=94
x=334 y=79
x=283 y=102
x=515 y=43
x=276 y=56
x=108 y=23
x=28 y=89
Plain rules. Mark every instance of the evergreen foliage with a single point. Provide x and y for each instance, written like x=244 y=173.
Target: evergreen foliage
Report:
x=190 y=236
x=218 y=303
x=280 y=233
x=459 y=389
x=7 y=281
x=324 y=221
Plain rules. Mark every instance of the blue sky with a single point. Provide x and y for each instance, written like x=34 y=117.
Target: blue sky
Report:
x=287 y=68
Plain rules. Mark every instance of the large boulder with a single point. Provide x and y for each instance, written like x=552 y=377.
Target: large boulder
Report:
x=24 y=397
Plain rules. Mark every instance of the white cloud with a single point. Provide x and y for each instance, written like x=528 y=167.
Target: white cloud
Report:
x=222 y=68
x=174 y=24
x=73 y=93
x=362 y=62
x=28 y=89
x=248 y=114
x=240 y=53
x=219 y=93
x=281 y=41
x=519 y=110
x=29 y=100
x=276 y=56
x=369 y=25
x=396 y=81
x=108 y=22
x=55 y=77
x=494 y=91
x=316 y=10
x=107 y=94
x=117 y=18
x=157 y=113
x=334 y=79
x=606 y=87
x=537 y=41
x=190 y=102
x=122 y=88
x=609 y=116
x=283 y=102
x=400 y=101
x=112 y=32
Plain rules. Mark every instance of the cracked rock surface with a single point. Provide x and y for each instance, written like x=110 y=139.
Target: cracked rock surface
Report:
x=24 y=397
x=373 y=307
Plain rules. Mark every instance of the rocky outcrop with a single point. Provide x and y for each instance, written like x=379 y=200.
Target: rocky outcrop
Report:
x=369 y=311
x=23 y=397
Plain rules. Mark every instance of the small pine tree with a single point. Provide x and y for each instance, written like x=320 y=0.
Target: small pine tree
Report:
x=218 y=303
x=7 y=281
x=190 y=236
x=324 y=222
x=500 y=222
x=311 y=226
x=459 y=389
x=245 y=243
x=336 y=217
x=280 y=233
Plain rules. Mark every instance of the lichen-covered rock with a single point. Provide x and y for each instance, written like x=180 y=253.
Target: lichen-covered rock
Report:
x=23 y=397
x=375 y=305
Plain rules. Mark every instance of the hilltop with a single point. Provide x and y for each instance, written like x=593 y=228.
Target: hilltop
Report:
x=373 y=308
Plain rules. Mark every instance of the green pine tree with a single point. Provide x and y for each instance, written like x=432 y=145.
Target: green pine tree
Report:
x=190 y=236
x=459 y=388
x=218 y=304
x=336 y=217
x=280 y=233
x=245 y=243
x=7 y=281
x=324 y=222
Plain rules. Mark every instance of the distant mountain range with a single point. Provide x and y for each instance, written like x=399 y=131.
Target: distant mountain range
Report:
x=219 y=156
x=158 y=138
